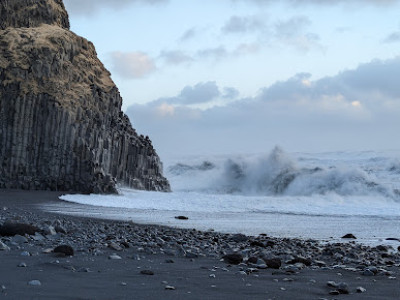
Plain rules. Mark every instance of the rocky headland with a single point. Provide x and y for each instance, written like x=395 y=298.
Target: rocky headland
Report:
x=61 y=123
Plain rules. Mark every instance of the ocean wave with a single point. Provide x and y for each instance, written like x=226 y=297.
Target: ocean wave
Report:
x=278 y=174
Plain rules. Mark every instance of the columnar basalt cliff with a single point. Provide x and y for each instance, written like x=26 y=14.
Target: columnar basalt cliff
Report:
x=61 y=124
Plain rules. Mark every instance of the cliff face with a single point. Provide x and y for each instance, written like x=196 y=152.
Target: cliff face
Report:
x=61 y=124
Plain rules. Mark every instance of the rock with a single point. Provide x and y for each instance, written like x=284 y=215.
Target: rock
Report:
x=181 y=218
x=25 y=253
x=22 y=265
x=334 y=293
x=62 y=127
x=343 y=288
x=114 y=257
x=233 y=259
x=368 y=272
x=299 y=259
x=65 y=250
x=4 y=247
x=147 y=272
x=115 y=247
x=273 y=263
x=360 y=289
x=382 y=248
x=10 y=228
x=169 y=261
x=170 y=287
x=19 y=239
x=34 y=283
x=349 y=236
x=332 y=284
x=239 y=238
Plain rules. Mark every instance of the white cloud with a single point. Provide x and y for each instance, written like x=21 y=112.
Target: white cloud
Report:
x=132 y=65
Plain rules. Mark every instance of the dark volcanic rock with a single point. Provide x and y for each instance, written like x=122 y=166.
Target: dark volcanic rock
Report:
x=65 y=250
x=349 y=236
x=14 y=228
x=233 y=259
x=61 y=124
x=273 y=263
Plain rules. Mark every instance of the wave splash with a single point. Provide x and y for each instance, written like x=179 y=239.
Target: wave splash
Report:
x=278 y=174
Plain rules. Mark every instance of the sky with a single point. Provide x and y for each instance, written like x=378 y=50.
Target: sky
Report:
x=242 y=76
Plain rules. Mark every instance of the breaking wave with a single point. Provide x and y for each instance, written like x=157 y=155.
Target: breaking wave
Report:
x=280 y=174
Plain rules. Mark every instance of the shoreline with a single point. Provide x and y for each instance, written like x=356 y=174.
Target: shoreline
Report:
x=186 y=264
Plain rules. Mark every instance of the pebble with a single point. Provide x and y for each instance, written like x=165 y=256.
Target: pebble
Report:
x=360 y=289
x=170 y=287
x=147 y=272
x=22 y=265
x=34 y=283
x=114 y=257
x=4 y=247
x=65 y=250
x=123 y=284
x=25 y=253
x=212 y=276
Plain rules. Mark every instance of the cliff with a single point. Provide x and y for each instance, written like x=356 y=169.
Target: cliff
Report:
x=61 y=124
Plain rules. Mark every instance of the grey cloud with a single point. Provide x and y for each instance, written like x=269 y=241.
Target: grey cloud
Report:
x=213 y=53
x=175 y=57
x=393 y=37
x=292 y=27
x=188 y=34
x=200 y=93
x=90 y=7
x=356 y=109
x=230 y=93
x=132 y=65
x=237 y=24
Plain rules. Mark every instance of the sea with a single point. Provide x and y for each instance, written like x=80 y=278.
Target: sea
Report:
x=319 y=196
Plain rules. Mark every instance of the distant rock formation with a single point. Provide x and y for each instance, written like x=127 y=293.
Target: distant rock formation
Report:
x=61 y=124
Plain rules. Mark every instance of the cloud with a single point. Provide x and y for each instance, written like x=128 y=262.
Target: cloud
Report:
x=216 y=53
x=202 y=92
x=176 y=57
x=132 y=65
x=356 y=109
x=90 y=7
x=293 y=32
x=188 y=34
x=393 y=37
x=237 y=24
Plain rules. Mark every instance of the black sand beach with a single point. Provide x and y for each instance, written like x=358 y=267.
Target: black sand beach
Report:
x=123 y=260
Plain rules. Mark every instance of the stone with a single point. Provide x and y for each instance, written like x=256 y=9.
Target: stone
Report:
x=64 y=250
x=19 y=239
x=349 y=236
x=343 y=288
x=34 y=283
x=22 y=265
x=170 y=287
x=273 y=263
x=62 y=126
x=4 y=247
x=10 y=228
x=299 y=259
x=25 y=253
x=114 y=246
x=233 y=259
x=361 y=289
x=181 y=218
x=114 y=257
x=147 y=272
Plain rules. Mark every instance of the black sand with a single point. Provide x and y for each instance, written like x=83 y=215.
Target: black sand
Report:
x=90 y=274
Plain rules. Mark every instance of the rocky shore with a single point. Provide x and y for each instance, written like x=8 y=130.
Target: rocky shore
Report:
x=50 y=256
